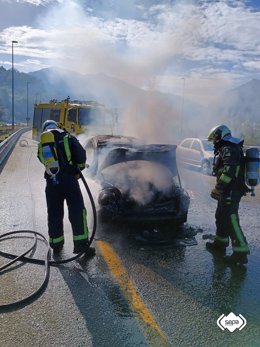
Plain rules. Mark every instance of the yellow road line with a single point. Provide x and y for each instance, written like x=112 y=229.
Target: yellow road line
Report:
x=151 y=329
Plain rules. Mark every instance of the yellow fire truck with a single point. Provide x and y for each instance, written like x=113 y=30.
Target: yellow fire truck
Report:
x=74 y=116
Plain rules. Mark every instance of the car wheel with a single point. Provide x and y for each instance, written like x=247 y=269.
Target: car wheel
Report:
x=205 y=167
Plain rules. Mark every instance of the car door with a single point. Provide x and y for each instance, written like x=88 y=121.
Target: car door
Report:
x=183 y=151
x=195 y=153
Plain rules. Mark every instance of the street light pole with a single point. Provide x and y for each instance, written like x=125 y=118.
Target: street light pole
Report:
x=27 y=99
x=182 y=104
x=13 y=83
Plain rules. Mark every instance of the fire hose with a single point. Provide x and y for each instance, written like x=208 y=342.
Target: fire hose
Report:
x=47 y=262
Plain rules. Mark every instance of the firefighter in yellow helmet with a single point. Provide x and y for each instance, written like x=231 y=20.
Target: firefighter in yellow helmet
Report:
x=62 y=156
x=230 y=187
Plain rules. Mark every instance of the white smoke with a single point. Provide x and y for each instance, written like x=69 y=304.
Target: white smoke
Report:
x=130 y=50
x=151 y=53
x=140 y=53
x=140 y=180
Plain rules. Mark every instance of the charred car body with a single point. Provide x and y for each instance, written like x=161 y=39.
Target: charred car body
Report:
x=139 y=183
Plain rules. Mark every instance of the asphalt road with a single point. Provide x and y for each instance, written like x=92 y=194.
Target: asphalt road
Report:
x=132 y=293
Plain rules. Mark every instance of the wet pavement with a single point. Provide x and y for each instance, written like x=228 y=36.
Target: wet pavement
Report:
x=134 y=292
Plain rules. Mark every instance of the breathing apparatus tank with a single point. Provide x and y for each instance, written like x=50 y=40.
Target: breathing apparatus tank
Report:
x=49 y=154
x=252 y=168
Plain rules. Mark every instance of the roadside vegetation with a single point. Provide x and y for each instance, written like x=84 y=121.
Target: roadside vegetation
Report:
x=6 y=130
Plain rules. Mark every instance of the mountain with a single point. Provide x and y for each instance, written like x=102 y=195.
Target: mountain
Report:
x=138 y=108
x=60 y=83
x=142 y=112
x=22 y=83
x=240 y=109
x=157 y=111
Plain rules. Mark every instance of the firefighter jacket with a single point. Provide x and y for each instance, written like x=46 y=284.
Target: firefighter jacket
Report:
x=71 y=156
x=230 y=168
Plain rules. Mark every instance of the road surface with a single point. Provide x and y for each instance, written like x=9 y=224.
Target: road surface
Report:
x=132 y=293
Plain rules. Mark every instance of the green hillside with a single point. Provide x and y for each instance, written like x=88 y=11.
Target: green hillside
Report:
x=238 y=108
x=21 y=79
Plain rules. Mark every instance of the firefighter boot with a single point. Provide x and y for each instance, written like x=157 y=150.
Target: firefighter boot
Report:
x=236 y=258
x=84 y=248
x=57 y=248
x=216 y=246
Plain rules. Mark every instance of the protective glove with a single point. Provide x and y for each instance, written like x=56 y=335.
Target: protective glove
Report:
x=216 y=194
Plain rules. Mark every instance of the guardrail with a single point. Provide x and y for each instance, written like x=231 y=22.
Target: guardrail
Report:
x=7 y=145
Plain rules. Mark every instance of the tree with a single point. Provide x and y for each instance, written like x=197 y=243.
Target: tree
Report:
x=1 y=113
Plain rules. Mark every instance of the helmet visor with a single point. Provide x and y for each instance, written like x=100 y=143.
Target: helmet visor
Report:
x=50 y=126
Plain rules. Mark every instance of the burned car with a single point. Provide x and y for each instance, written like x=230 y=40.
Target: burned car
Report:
x=138 y=182
x=98 y=146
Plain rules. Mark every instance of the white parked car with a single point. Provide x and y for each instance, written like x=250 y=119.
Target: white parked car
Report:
x=196 y=153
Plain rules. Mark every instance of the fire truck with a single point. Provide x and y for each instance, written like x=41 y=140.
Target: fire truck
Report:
x=76 y=116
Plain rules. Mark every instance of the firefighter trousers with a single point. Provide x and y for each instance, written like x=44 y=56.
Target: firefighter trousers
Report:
x=228 y=226
x=67 y=188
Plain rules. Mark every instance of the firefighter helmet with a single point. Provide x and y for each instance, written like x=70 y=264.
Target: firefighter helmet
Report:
x=49 y=124
x=217 y=133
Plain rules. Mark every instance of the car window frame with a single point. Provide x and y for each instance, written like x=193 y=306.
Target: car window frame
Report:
x=195 y=140
x=186 y=140
x=203 y=144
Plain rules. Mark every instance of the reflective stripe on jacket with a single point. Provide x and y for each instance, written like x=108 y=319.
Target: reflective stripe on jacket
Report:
x=230 y=167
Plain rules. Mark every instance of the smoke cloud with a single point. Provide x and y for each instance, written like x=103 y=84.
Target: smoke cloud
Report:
x=140 y=53
x=123 y=54
x=130 y=50
x=149 y=46
x=141 y=181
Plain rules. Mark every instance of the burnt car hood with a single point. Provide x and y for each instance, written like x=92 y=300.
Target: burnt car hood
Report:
x=162 y=154
x=168 y=203
x=114 y=141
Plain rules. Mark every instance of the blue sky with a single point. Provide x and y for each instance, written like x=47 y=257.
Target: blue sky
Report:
x=208 y=46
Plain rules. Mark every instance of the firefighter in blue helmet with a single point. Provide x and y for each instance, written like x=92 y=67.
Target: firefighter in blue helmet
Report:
x=230 y=186
x=63 y=157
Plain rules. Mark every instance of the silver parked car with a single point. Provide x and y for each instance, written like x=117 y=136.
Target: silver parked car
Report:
x=196 y=153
